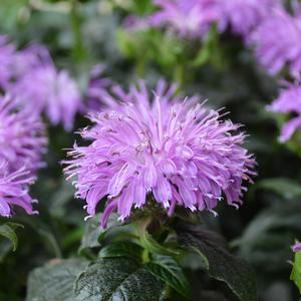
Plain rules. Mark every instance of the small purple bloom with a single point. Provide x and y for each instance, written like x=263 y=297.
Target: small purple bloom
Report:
x=14 y=190
x=98 y=87
x=296 y=247
x=189 y=18
x=177 y=150
x=277 y=42
x=45 y=89
x=289 y=101
x=22 y=137
x=244 y=15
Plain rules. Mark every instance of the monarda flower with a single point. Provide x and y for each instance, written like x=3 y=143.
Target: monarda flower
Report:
x=289 y=101
x=190 y=19
x=14 y=190
x=242 y=16
x=22 y=137
x=45 y=89
x=175 y=150
x=277 y=42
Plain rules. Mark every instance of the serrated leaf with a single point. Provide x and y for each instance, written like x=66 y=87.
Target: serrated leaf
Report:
x=169 y=271
x=121 y=249
x=222 y=265
x=118 y=279
x=55 y=281
x=296 y=271
x=8 y=230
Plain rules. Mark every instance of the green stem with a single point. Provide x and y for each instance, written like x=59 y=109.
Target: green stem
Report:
x=79 y=51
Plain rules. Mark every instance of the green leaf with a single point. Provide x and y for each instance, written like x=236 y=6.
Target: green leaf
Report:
x=221 y=264
x=8 y=230
x=169 y=271
x=284 y=187
x=55 y=281
x=153 y=246
x=121 y=249
x=118 y=279
x=296 y=271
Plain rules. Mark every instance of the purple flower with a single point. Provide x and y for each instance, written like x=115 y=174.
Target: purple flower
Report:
x=173 y=149
x=7 y=57
x=13 y=190
x=98 y=87
x=277 y=42
x=22 y=140
x=189 y=18
x=46 y=89
x=296 y=247
x=244 y=15
x=289 y=101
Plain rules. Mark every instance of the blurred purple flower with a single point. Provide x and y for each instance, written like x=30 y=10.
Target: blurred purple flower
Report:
x=289 y=101
x=277 y=42
x=296 y=247
x=13 y=190
x=45 y=89
x=189 y=18
x=244 y=15
x=178 y=151
x=7 y=57
x=98 y=87
x=22 y=139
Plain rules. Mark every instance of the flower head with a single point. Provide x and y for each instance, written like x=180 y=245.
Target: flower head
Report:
x=98 y=87
x=45 y=89
x=173 y=149
x=188 y=18
x=244 y=15
x=289 y=101
x=22 y=139
x=277 y=42
x=14 y=189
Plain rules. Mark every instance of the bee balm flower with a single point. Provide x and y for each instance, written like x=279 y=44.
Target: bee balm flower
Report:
x=175 y=150
x=22 y=139
x=13 y=190
x=277 y=42
x=289 y=101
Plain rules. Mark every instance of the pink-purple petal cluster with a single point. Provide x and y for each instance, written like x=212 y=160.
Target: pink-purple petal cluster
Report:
x=296 y=247
x=30 y=75
x=190 y=19
x=277 y=42
x=22 y=136
x=46 y=89
x=289 y=101
x=14 y=190
x=242 y=16
x=176 y=150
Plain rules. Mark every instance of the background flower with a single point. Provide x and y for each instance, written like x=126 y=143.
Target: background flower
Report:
x=277 y=42
x=14 y=190
x=22 y=136
x=180 y=152
x=289 y=101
